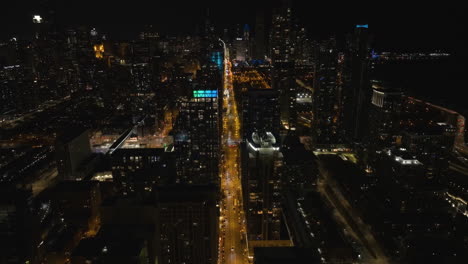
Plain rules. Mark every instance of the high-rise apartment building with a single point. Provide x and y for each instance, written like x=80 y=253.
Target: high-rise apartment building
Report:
x=260 y=112
x=358 y=92
x=259 y=38
x=138 y=170
x=384 y=114
x=282 y=56
x=187 y=224
x=197 y=140
x=326 y=96
x=261 y=183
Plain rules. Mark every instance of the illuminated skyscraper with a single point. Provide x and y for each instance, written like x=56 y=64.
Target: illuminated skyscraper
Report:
x=303 y=46
x=138 y=170
x=217 y=58
x=282 y=56
x=260 y=112
x=242 y=44
x=141 y=78
x=197 y=137
x=16 y=89
x=282 y=46
x=261 y=159
x=384 y=114
x=326 y=96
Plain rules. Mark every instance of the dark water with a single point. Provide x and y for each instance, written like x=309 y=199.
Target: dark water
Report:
x=442 y=82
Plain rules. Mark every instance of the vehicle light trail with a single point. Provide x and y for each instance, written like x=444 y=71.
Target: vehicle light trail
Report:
x=233 y=245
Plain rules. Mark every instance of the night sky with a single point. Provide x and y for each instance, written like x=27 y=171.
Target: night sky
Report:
x=395 y=26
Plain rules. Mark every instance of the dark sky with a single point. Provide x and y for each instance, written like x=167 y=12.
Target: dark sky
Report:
x=394 y=25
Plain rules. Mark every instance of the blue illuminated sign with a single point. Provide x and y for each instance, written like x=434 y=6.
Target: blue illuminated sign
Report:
x=205 y=93
x=362 y=26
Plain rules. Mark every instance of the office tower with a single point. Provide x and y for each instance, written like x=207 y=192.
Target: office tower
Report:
x=242 y=44
x=326 y=96
x=209 y=41
x=226 y=37
x=51 y=72
x=246 y=32
x=217 y=58
x=141 y=78
x=299 y=168
x=284 y=82
x=311 y=226
x=248 y=42
x=240 y=49
x=197 y=137
x=70 y=60
x=384 y=114
x=305 y=75
x=281 y=42
x=72 y=149
x=44 y=55
x=138 y=170
x=17 y=90
x=150 y=37
x=10 y=52
x=259 y=103
x=208 y=29
x=282 y=56
x=342 y=85
x=187 y=224
x=39 y=27
x=141 y=160
x=261 y=183
x=85 y=58
x=259 y=38
x=260 y=112
x=7 y=97
x=358 y=90
x=140 y=51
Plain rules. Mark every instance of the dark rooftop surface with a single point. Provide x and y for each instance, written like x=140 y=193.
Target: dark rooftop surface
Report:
x=284 y=255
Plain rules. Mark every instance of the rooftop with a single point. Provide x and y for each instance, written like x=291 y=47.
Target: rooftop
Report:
x=149 y=141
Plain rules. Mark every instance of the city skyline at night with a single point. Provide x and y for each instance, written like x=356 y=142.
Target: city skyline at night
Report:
x=248 y=132
x=402 y=25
